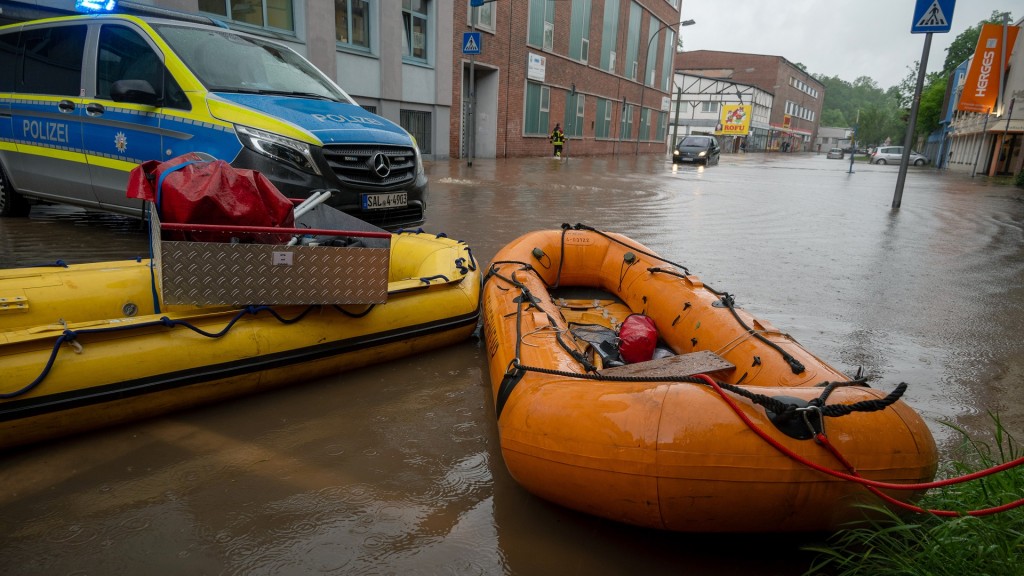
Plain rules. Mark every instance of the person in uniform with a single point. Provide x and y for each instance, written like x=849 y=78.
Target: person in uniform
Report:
x=557 y=139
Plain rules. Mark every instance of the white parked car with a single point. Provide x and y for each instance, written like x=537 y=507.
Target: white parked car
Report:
x=893 y=155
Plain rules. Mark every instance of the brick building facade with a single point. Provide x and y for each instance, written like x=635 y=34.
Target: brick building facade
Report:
x=798 y=97
x=541 y=63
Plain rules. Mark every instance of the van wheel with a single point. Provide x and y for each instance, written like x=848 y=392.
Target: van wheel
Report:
x=11 y=203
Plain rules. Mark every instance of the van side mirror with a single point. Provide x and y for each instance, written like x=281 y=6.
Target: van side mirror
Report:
x=135 y=92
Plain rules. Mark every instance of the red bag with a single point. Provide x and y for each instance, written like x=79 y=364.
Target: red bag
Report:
x=637 y=338
x=190 y=190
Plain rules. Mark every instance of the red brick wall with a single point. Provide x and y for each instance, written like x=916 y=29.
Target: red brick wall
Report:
x=506 y=53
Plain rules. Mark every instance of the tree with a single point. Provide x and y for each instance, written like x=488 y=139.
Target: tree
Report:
x=962 y=47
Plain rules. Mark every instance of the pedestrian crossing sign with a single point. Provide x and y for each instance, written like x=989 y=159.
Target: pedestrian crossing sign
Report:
x=932 y=16
x=470 y=42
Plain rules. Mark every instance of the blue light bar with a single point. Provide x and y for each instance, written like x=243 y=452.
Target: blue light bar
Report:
x=92 y=6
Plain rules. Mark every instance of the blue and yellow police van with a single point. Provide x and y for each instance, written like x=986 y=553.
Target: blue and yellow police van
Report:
x=85 y=99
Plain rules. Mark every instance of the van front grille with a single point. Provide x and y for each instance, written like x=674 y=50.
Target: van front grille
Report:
x=372 y=167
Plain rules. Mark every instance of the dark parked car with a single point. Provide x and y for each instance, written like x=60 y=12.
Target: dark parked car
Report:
x=697 y=148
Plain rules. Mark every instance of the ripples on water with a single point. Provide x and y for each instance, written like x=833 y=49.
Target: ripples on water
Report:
x=396 y=469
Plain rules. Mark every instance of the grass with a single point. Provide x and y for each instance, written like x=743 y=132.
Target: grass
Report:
x=929 y=545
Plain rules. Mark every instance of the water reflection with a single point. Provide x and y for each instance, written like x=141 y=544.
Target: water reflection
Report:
x=396 y=469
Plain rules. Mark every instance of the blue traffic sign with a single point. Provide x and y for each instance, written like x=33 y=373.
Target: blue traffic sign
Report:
x=470 y=42
x=932 y=16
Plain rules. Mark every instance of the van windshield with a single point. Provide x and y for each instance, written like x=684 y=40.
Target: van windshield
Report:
x=225 y=61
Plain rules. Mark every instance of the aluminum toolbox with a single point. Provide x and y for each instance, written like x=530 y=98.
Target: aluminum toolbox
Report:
x=240 y=274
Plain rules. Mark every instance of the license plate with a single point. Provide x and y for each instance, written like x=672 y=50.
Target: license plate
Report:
x=384 y=201
x=686 y=159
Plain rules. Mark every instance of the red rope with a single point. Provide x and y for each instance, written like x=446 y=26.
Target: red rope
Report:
x=872 y=485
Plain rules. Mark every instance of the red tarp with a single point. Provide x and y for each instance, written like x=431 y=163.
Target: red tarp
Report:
x=190 y=190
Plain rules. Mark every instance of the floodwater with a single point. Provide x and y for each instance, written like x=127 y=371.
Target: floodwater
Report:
x=396 y=469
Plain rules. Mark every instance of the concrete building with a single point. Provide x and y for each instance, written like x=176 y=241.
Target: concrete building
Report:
x=989 y=144
x=392 y=56
x=797 y=96
x=832 y=137
x=697 y=103
x=603 y=70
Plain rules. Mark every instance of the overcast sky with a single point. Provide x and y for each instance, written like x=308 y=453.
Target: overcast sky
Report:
x=843 y=38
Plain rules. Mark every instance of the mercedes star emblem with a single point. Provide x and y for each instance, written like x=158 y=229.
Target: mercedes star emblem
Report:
x=381 y=165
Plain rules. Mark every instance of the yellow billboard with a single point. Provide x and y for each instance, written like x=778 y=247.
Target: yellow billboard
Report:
x=734 y=121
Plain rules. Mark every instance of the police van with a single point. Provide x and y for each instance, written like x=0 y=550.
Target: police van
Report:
x=85 y=99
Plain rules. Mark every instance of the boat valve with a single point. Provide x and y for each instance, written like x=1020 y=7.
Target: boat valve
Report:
x=629 y=258
x=538 y=253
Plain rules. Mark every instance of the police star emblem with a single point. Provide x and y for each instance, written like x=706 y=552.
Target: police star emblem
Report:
x=120 y=142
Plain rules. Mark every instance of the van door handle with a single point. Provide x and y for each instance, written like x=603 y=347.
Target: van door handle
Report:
x=66 y=106
x=94 y=109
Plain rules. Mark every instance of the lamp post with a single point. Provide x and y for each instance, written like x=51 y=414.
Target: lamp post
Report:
x=643 y=82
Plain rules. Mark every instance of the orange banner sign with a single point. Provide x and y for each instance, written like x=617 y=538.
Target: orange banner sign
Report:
x=982 y=84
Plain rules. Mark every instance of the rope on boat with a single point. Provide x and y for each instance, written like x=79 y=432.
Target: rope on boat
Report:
x=727 y=299
x=780 y=408
x=71 y=336
x=873 y=485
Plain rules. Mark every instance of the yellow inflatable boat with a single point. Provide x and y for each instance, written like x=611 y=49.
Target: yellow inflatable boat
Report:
x=87 y=345
x=729 y=426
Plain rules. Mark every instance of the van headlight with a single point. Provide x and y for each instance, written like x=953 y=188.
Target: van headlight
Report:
x=278 y=147
x=416 y=151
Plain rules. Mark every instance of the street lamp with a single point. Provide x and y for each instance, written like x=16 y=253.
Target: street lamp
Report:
x=643 y=82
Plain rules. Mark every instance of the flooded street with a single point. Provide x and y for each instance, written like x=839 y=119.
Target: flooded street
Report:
x=396 y=469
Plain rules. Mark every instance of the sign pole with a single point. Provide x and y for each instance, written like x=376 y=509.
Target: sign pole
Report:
x=908 y=139
x=470 y=137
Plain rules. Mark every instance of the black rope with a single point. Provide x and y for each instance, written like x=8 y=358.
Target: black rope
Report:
x=72 y=335
x=769 y=403
x=730 y=303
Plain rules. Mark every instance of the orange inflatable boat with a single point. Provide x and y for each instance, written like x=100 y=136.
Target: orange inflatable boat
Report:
x=731 y=426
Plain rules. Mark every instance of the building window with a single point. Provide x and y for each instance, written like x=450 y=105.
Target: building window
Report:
x=652 y=50
x=709 y=107
x=666 y=60
x=645 y=123
x=633 y=41
x=352 y=23
x=610 y=35
x=415 y=17
x=626 y=126
x=603 y=127
x=419 y=125
x=541 y=30
x=579 y=31
x=484 y=16
x=262 y=13
x=574 y=108
x=537 y=109
x=662 y=125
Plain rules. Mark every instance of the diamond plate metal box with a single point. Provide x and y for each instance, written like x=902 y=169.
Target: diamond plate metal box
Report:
x=216 y=273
